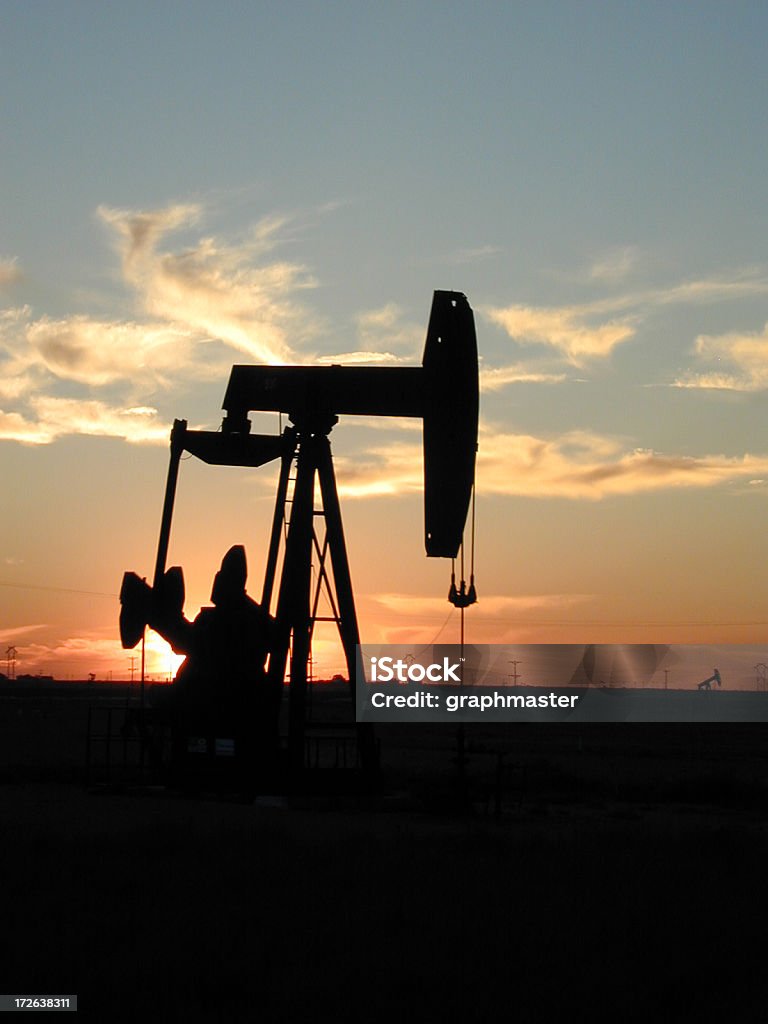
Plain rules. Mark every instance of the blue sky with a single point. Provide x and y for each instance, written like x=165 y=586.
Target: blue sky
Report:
x=191 y=185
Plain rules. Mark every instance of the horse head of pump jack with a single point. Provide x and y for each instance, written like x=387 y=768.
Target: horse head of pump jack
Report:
x=443 y=392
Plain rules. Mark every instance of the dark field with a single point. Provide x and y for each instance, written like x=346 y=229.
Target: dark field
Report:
x=615 y=867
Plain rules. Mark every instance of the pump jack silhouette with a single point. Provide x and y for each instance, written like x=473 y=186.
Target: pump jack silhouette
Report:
x=706 y=684
x=443 y=392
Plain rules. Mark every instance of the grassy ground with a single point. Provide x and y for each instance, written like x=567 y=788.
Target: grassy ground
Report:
x=619 y=868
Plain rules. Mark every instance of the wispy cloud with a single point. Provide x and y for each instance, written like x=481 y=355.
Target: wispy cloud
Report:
x=704 y=291
x=15 y=427
x=9 y=272
x=390 y=469
x=16 y=386
x=82 y=655
x=94 y=653
x=581 y=333
x=565 y=329
x=413 y=606
x=58 y=417
x=384 y=328
x=364 y=358
x=492 y=622
x=615 y=264
x=215 y=289
x=588 y=466
x=578 y=465
x=71 y=416
x=12 y=634
x=16 y=357
x=99 y=352
x=495 y=378
x=740 y=360
x=473 y=254
x=385 y=424
x=193 y=303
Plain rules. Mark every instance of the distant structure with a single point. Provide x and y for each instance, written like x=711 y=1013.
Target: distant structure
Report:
x=707 y=683
x=761 y=671
x=10 y=655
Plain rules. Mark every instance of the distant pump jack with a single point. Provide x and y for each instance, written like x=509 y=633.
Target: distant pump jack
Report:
x=707 y=683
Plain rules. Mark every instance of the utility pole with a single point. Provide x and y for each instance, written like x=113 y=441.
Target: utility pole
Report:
x=133 y=666
x=666 y=678
x=762 y=674
x=514 y=675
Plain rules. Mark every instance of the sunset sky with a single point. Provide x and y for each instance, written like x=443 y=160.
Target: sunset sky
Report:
x=188 y=185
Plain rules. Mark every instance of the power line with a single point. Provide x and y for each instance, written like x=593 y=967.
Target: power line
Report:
x=485 y=618
x=58 y=590
x=617 y=625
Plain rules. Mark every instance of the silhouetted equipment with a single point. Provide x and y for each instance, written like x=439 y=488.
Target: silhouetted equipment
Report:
x=707 y=683
x=462 y=597
x=443 y=392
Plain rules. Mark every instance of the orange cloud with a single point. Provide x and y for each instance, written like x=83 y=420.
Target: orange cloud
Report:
x=11 y=635
x=213 y=288
x=9 y=273
x=415 y=606
x=580 y=465
x=361 y=358
x=745 y=353
x=391 y=469
x=573 y=332
x=14 y=427
x=80 y=654
x=494 y=378
x=97 y=352
x=70 y=416
x=564 y=329
x=18 y=361
x=194 y=305
x=577 y=465
x=57 y=417
x=94 y=653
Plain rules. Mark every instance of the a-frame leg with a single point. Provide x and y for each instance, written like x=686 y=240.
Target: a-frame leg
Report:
x=348 y=627
x=292 y=615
